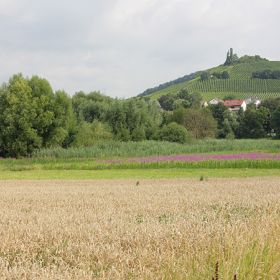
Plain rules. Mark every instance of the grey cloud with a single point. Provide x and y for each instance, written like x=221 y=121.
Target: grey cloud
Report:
x=122 y=47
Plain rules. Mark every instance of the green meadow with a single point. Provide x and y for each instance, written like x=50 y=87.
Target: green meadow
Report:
x=137 y=174
x=112 y=161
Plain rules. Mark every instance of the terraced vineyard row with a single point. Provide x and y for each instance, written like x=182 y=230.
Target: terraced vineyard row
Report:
x=207 y=96
x=169 y=90
x=244 y=71
x=243 y=86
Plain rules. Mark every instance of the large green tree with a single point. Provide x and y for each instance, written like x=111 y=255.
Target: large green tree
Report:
x=253 y=124
x=18 y=135
x=271 y=104
x=63 y=128
x=200 y=123
x=134 y=119
x=275 y=121
x=32 y=116
x=89 y=134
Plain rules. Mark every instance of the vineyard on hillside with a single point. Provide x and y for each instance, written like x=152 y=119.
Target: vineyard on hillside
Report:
x=243 y=71
x=240 y=84
x=253 y=87
x=207 y=96
x=220 y=88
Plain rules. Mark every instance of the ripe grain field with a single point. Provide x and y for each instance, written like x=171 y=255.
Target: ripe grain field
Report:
x=151 y=229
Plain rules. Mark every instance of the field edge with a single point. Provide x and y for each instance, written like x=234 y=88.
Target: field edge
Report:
x=113 y=174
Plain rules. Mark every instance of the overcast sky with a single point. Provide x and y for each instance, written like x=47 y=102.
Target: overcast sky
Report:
x=122 y=47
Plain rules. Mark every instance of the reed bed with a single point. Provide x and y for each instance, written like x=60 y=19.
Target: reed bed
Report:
x=159 y=229
x=148 y=148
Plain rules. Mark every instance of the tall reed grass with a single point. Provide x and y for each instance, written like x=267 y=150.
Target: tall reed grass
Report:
x=148 y=148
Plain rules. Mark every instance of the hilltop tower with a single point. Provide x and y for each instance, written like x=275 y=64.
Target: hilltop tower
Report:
x=232 y=58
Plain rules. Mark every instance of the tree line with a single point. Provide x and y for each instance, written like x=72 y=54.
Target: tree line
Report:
x=33 y=116
x=218 y=121
x=266 y=74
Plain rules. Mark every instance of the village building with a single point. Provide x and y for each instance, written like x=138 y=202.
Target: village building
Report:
x=204 y=104
x=215 y=101
x=253 y=100
x=235 y=105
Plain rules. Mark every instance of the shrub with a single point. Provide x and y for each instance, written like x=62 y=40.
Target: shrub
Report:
x=204 y=76
x=173 y=132
x=91 y=133
x=138 y=134
x=200 y=123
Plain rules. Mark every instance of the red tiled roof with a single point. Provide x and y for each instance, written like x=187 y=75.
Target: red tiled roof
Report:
x=233 y=103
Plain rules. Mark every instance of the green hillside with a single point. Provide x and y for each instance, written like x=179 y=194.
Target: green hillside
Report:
x=240 y=82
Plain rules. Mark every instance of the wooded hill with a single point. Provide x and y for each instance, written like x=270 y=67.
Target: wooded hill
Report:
x=242 y=77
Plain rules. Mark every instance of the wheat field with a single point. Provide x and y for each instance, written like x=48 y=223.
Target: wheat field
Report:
x=151 y=229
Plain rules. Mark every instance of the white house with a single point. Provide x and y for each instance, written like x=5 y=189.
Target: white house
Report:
x=253 y=100
x=204 y=104
x=235 y=105
x=215 y=101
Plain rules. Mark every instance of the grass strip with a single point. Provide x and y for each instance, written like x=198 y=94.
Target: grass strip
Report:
x=135 y=174
x=79 y=164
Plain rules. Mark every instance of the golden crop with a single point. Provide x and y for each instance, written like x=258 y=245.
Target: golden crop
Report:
x=152 y=229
